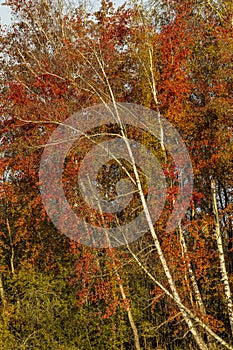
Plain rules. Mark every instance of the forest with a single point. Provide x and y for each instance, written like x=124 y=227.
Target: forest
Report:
x=116 y=73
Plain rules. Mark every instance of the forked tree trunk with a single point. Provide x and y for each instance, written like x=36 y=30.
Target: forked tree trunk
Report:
x=193 y=317
x=196 y=334
x=166 y=269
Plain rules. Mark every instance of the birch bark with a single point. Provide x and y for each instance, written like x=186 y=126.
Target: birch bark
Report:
x=221 y=255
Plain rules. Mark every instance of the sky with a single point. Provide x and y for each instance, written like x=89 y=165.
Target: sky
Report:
x=5 y=15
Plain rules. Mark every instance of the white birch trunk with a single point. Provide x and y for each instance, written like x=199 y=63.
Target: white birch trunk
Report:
x=181 y=305
x=195 y=287
x=12 y=247
x=222 y=262
x=2 y=292
x=131 y=320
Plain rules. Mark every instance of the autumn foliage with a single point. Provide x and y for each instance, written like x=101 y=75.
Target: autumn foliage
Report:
x=176 y=58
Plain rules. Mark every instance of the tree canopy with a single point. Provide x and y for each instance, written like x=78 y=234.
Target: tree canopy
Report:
x=168 y=289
